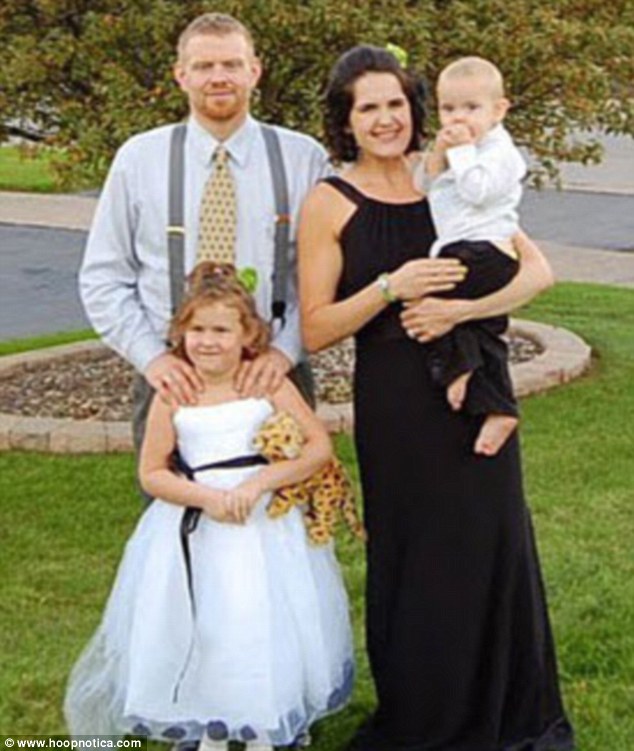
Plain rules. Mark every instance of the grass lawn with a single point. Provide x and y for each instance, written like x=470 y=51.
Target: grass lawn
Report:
x=19 y=171
x=64 y=523
x=13 y=346
x=31 y=170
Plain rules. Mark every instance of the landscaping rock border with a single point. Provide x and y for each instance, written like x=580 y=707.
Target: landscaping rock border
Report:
x=565 y=356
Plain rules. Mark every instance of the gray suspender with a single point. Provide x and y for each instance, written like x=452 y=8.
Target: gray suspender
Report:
x=282 y=222
x=176 y=220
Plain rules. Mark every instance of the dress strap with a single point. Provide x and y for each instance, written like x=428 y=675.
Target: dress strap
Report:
x=346 y=188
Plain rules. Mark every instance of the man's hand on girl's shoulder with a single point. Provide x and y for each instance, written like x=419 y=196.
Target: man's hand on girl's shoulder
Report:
x=264 y=375
x=174 y=379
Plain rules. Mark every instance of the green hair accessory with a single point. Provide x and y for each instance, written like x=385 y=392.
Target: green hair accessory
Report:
x=399 y=53
x=248 y=278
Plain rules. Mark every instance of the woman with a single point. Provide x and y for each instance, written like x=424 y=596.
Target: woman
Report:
x=458 y=635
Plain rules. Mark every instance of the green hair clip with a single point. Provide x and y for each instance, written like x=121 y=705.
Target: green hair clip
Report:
x=248 y=278
x=399 y=53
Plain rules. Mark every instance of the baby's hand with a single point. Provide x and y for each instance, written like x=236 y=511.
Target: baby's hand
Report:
x=436 y=161
x=454 y=135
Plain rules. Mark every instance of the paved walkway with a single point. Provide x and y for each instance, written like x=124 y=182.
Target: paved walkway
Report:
x=548 y=214
x=44 y=210
x=599 y=220
x=586 y=231
x=615 y=174
x=38 y=281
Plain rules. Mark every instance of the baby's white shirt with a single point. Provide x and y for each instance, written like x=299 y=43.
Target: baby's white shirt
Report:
x=477 y=197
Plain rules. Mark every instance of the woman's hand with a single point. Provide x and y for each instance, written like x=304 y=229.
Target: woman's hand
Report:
x=431 y=318
x=426 y=276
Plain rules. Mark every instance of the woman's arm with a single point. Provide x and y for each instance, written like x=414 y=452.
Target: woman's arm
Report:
x=325 y=321
x=159 y=480
x=433 y=317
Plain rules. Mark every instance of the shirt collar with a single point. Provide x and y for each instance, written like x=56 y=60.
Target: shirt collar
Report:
x=497 y=133
x=238 y=145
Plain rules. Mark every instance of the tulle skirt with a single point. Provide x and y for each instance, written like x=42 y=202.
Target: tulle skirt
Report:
x=264 y=652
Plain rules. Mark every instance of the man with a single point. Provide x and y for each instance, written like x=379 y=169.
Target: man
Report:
x=125 y=276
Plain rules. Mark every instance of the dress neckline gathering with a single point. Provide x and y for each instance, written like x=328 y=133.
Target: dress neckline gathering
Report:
x=366 y=197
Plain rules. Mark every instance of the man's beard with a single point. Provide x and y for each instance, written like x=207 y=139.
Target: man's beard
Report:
x=221 y=110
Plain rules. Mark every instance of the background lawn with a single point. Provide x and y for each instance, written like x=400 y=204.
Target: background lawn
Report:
x=64 y=522
x=13 y=346
x=30 y=169
x=26 y=171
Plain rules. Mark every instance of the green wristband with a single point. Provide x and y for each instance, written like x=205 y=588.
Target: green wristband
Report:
x=383 y=280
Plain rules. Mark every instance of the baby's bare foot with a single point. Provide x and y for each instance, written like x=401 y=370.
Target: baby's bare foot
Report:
x=457 y=391
x=494 y=433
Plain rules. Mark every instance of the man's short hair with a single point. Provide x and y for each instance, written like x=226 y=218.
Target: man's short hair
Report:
x=474 y=67
x=218 y=24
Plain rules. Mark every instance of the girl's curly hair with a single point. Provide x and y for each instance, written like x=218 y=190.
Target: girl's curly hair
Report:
x=210 y=283
x=339 y=98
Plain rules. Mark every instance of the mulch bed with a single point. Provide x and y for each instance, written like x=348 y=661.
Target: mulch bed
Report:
x=97 y=385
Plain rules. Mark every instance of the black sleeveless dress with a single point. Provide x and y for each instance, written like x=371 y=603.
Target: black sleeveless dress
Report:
x=458 y=636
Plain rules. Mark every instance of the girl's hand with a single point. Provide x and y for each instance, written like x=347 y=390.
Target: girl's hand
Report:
x=431 y=318
x=219 y=506
x=243 y=498
x=426 y=276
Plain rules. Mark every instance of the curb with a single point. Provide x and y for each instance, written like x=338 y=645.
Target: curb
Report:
x=59 y=435
x=49 y=210
x=565 y=357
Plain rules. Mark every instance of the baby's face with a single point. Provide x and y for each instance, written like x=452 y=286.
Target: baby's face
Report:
x=470 y=101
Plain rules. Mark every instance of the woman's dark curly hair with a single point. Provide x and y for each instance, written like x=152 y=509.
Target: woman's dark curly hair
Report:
x=339 y=99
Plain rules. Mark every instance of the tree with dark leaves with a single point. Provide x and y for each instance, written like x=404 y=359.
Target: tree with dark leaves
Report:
x=83 y=75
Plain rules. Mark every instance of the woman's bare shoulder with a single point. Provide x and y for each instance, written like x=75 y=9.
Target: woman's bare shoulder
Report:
x=327 y=205
x=326 y=192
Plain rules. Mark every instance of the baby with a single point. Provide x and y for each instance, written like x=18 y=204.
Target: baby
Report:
x=473 y=179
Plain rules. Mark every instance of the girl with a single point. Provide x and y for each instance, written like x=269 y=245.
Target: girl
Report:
x=231 y=628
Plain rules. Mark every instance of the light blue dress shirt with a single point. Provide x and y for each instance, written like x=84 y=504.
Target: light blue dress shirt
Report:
x=124 y=277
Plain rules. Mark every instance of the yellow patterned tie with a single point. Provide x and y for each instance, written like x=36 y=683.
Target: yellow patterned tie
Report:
x=218 y=214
